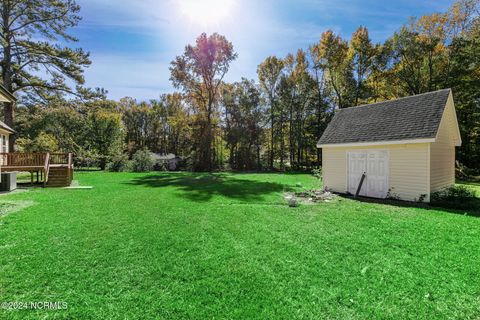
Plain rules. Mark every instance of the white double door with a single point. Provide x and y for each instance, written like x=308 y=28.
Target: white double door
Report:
x=374 y=163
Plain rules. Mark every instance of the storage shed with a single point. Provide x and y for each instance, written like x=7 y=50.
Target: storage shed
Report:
x=405 y=147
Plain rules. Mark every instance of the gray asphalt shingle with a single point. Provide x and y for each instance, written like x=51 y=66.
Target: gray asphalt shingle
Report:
x=413 y=117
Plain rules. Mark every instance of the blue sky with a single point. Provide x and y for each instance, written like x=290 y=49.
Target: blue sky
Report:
x=132 y=42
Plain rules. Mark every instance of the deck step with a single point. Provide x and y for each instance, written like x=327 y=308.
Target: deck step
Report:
x=59 y=177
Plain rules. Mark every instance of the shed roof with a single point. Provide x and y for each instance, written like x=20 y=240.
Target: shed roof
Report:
x=159 y=156
x=408 y=118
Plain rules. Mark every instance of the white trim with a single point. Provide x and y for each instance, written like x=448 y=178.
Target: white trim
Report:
x=458 y=142
x=5 y=132
x=376 y=143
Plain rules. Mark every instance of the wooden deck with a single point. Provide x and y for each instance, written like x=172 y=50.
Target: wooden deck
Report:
x=53 y=169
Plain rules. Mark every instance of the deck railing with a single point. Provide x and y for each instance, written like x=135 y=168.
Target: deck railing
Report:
x=20 y=159
x=35 y=159
x=59 y=158
x=40 y=162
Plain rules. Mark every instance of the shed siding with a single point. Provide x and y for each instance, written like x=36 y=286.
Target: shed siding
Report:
x=334 y=169
x=442 y=159
x=409 y=166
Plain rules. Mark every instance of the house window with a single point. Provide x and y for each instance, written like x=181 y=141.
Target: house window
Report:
x=4 y=143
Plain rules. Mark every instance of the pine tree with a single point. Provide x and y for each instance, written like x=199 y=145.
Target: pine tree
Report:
x=33 y=62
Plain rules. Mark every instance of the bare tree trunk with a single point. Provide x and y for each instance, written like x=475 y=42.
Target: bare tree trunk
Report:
x=259 y=164
x=291 y=144
x=272 y=134
x=232 y=154
x=319 y=115
x=282 y=142
x=208 y=152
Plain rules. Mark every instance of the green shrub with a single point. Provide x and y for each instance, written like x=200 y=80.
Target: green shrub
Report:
x=119 y=163
x=86 y=159
x=44 y=142
x=456 y=197
x=142 y=161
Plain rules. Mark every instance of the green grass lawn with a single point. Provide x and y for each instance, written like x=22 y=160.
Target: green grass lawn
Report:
x=176 y=246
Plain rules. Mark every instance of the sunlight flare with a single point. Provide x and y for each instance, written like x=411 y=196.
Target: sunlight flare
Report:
x=206 y=12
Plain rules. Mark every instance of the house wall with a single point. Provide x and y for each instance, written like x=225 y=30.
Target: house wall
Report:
x=4 y=136
x=442 y=156
x=409 y=169
x=4 y=98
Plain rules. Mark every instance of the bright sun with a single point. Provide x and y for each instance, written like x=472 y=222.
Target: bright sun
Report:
x=206 y=12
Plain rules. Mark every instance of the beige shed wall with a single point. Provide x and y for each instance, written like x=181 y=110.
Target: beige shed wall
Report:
x=442 y=156
x=409 y=164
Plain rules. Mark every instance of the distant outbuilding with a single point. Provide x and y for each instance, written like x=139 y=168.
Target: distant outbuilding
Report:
x=168 y=161
x=405 y=147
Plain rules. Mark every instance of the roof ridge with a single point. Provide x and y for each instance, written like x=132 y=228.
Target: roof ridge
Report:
x=401 y=98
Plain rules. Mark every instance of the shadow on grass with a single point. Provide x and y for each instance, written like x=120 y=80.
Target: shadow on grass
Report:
x=202 y=187
x=474 y=211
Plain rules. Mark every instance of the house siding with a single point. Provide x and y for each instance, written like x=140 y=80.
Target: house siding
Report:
x=409 y=169
x=3 y=98
x=442 y=160
x=4 y=136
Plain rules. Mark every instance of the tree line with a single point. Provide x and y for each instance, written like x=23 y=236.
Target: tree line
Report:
x=268 y=123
